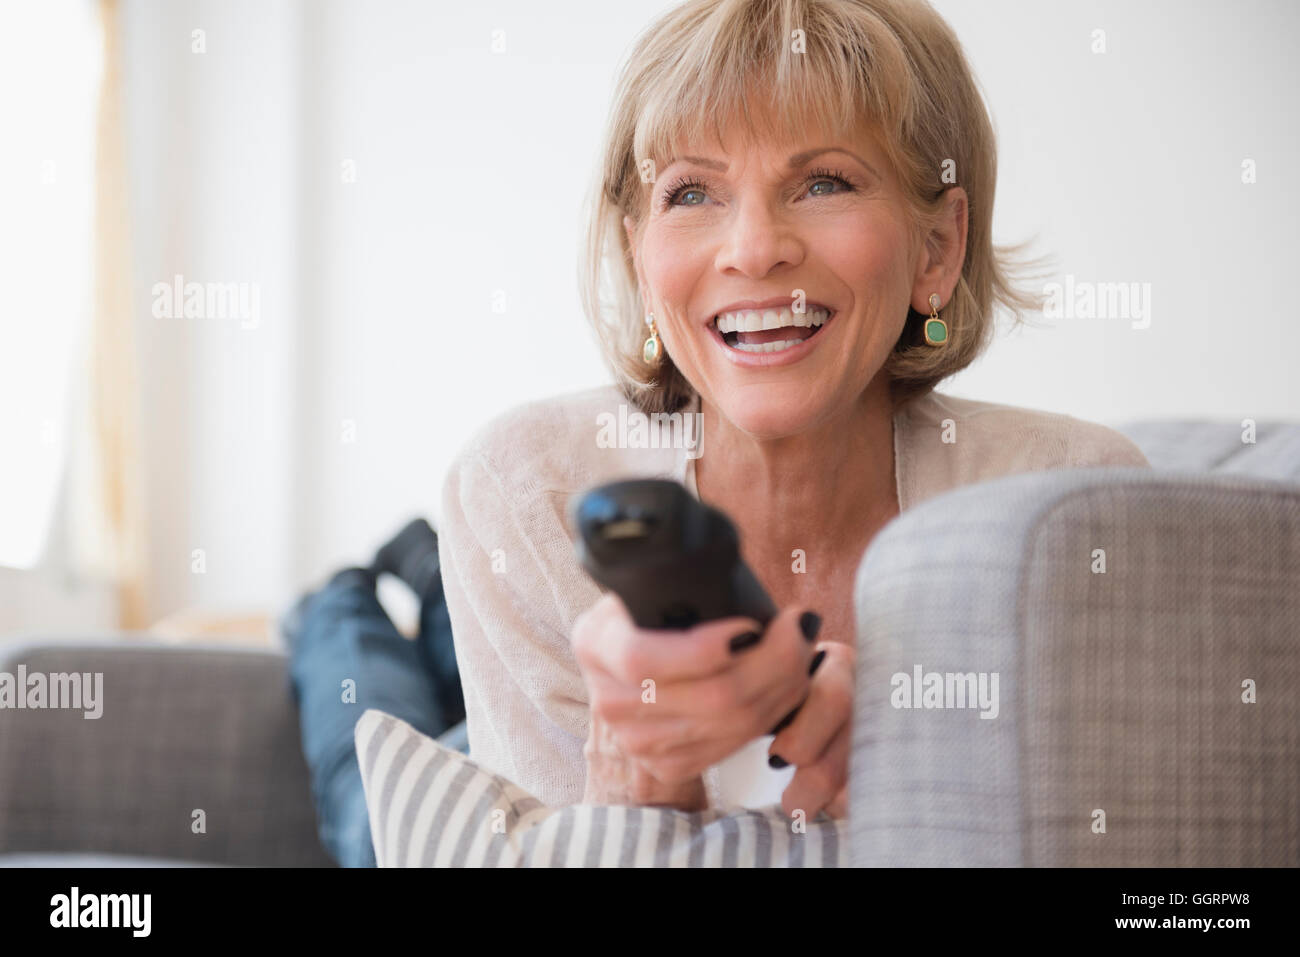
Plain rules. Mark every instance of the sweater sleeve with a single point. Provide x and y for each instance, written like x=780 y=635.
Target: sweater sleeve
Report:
x=1096 y=445
x=526 y=705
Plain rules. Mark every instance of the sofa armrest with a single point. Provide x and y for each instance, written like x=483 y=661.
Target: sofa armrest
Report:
x=1123 y=611
x=183 y=729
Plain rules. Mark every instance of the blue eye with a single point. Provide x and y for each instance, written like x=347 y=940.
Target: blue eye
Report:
x=819 y=180
x=682 y=188
x=825 y=177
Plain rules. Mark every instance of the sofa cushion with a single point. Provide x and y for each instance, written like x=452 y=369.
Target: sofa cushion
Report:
x=431 y=806
x=183 y=729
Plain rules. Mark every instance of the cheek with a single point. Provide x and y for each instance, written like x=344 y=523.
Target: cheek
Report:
x=873 y=259
x=672 y=265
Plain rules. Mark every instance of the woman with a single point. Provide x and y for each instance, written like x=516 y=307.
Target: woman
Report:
x=794 y=213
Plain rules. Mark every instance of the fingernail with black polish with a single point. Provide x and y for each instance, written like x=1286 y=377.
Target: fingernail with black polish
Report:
x=810 y=623
x=816 y=662
x=747 y=640
x=777 y=762
x=785 y=722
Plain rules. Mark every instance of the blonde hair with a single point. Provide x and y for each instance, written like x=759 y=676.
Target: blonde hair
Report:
x=893 y=65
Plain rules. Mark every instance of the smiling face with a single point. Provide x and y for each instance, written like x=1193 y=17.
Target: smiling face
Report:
x=732 y=232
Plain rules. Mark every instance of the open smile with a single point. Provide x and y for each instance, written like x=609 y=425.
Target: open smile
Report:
x=773 y=335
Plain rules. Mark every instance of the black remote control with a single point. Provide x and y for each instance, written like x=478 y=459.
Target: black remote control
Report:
x=673 y=560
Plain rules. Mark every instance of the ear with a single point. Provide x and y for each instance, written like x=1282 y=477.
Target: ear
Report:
x=943 y=252
x=629 y=227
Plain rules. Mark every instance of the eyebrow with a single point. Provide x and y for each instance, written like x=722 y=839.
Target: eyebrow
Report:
x=797 y=160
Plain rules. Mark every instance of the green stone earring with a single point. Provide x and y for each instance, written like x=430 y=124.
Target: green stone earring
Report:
x=936 y=330
x=653 y=351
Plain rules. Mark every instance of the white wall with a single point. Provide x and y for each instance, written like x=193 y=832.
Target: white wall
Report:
x=1127 y=167
x=470 y=170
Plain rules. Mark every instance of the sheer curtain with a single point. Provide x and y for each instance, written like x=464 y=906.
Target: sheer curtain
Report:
x=107 y=504
x=62 y=526
x=50 y=57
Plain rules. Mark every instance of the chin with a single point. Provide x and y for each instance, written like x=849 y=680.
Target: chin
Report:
x=772 y=412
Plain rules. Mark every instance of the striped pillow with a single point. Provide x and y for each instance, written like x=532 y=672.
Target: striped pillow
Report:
x=431 y=806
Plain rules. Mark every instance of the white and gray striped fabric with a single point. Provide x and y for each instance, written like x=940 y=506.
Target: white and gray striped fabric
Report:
x=431 y=806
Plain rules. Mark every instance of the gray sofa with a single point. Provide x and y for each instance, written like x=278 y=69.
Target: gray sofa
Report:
x=1123 y=732
x=1120 y=691
x=190 y=729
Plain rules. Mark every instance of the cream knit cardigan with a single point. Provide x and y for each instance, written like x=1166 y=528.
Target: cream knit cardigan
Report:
x=514 y=586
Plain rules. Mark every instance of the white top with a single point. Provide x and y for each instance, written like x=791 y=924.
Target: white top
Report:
x=514 y=585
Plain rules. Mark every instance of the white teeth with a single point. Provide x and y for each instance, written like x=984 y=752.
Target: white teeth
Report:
x=767 y=346
x=756 y=320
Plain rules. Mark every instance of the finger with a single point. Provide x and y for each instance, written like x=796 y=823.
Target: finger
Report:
x=762 y=683
x=654 y=720
x=686 y=745
x=790 y=661
x=716 y=646
x=828 y=706
x=591 y=631
x=689 y=719
x=613 y=644
x=776 y=665
x=790 y=715
x=815 y=786
x=676 y=746
x=694 y=759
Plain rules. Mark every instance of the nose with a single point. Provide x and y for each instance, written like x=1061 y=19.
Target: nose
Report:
x=758 y=241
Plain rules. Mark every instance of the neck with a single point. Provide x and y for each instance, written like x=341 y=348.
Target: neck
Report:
x=826 y=490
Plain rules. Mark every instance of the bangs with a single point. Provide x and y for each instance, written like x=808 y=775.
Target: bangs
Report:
x=746 y=59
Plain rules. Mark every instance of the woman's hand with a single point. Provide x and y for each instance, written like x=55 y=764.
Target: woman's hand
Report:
x=666 y=706
x=817 y=740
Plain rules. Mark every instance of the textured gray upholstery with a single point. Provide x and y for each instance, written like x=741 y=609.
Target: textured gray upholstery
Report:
x=1197 y=446
x=79 y=861
x=183 y=728
x=1119 y=692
